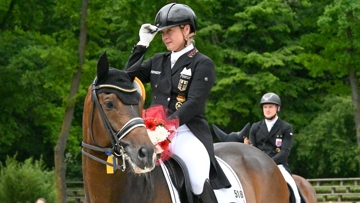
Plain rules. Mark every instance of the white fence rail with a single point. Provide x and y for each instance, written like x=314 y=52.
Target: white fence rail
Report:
x=337 y=190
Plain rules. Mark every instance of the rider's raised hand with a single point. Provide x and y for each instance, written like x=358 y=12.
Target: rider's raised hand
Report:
x=147 y=33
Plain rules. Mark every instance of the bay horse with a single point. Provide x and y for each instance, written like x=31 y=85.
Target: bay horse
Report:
x=307 y=190
x=112 y=128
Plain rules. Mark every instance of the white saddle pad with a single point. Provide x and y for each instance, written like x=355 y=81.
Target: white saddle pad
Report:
x=234 y=194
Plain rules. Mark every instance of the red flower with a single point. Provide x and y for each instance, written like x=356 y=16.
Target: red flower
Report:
x=164 y=144
x=156 y=116
x=150 y=123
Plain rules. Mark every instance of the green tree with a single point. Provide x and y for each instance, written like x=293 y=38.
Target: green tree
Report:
x=326 y=147
x=26 y=182
x=30 y=112
x=333 y=51
x=60 y=167
x=255 y=45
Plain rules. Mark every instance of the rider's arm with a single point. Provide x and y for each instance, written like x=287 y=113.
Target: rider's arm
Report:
x=252 y=134
x=133 y=65
x=281 y=157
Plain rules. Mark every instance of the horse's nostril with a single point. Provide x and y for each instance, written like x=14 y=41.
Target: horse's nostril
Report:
x=143 y=152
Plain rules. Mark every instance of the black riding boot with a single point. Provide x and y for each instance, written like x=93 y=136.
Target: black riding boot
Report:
x=208 y=195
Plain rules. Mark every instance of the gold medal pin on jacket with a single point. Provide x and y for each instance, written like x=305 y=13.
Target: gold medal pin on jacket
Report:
x=181 y=99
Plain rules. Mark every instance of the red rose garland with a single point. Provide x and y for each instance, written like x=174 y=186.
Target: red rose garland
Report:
x=161 y=130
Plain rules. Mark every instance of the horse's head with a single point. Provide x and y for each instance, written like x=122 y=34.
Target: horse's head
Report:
x=112 y=121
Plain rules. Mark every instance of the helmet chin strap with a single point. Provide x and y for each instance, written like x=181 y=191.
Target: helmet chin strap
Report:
x=185 y=42
x=271 y=118
x=179 y=49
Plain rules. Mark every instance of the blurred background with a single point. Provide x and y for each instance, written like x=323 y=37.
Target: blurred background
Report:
x=307 y=52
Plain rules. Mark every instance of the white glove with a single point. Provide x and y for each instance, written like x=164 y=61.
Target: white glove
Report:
x=147 y=33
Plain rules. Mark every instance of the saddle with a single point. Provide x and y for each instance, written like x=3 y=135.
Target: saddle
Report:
x=180 y=178
x=175 y=171
x=292 y=196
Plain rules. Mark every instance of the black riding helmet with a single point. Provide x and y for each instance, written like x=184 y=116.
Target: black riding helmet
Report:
x=175 y=14
x=270 y=98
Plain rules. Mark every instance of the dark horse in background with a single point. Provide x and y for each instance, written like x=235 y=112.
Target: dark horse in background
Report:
x=305 y=187
x=112 y=126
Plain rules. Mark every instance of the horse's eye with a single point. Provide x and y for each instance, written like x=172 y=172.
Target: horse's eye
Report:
x=108 y=104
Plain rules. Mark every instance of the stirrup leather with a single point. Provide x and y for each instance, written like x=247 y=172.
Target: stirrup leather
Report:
x=208 y=195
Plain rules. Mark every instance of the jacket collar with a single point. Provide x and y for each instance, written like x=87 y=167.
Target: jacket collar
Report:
x=273 y=130
x=184 y=60
x=176 y=55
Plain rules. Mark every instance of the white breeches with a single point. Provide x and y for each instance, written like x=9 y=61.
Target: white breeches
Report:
x=290 y=180
x=189 y=148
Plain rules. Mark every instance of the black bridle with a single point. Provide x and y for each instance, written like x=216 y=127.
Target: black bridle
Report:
x=117 y=149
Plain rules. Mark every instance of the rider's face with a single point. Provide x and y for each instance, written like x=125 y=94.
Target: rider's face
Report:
x=270 y=110
x=173 y=37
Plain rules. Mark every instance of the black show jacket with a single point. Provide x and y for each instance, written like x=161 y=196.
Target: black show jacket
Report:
x=168 y=83
x=280 y=134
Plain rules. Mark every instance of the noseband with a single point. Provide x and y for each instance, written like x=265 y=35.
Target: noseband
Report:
x=117 y=149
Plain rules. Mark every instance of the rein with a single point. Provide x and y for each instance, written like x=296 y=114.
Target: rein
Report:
x=117 y=149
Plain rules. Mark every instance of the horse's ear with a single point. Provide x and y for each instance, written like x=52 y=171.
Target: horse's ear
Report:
x=220 y=134
x=244 y=132
x=130 y=74
x=102 y=66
